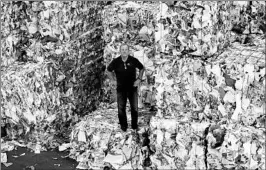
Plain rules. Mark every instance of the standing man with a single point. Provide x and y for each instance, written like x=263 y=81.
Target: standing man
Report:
x=123 y=68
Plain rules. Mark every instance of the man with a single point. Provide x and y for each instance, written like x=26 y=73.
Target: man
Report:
x=124 y=69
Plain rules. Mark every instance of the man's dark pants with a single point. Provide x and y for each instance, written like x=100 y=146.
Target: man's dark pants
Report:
x=132 y=96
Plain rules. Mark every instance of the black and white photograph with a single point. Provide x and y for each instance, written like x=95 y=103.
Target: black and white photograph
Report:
x=141 y=85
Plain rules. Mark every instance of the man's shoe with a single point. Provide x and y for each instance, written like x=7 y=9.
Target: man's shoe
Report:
x=123 y=129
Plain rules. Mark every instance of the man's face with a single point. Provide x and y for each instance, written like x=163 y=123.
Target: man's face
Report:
x=124 y=50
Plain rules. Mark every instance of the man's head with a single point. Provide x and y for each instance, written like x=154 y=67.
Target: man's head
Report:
x=124 y=50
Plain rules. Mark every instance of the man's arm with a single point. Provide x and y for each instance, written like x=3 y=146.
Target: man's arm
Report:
x=140 y=67
x=112 y=75
x=141 y=71
x=110 y=70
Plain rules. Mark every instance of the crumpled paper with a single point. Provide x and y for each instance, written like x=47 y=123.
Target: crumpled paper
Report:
x=104 y=142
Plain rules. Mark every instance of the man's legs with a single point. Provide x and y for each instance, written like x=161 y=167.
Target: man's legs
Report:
x=133 y=100
x=121 y=103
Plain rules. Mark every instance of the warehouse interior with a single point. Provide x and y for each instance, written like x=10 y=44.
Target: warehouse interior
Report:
x=201 y=102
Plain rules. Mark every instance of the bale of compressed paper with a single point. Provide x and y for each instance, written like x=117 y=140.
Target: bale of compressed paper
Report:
x=68 y=33
x=197 y=28
x=242 y=105
x=32 y=102
x=178 y=143
x=193 y=83
x=38 y=30
x=83 y=63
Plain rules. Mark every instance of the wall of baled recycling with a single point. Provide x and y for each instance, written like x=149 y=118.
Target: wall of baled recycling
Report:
x=52 y=52
x=163 y=32
x=211 y=107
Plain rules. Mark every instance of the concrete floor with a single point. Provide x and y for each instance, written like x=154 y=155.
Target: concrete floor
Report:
x=50 y=160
